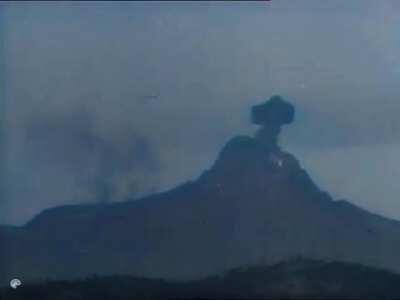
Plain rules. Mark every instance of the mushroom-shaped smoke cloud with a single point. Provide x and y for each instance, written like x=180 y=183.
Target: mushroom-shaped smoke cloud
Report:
x=271 y=115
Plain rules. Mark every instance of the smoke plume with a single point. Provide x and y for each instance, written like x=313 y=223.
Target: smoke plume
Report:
x=271 y=116
x=104 y=167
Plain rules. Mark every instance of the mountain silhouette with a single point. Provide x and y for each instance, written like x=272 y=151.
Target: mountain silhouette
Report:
x=297 y=278
x=255 y=205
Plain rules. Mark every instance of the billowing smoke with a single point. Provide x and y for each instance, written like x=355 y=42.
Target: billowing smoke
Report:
x=104 y=167
x=271 y=115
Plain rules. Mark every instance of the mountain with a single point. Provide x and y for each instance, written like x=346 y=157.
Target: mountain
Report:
x=294 y=279
x=255 y=205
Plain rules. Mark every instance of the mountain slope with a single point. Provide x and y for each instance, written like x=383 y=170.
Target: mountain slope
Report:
x=254 y=205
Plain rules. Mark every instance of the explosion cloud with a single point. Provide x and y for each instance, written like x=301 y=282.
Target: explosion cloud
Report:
x=271 y=115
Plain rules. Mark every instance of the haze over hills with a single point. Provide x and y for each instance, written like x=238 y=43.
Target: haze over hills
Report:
x=255 y=205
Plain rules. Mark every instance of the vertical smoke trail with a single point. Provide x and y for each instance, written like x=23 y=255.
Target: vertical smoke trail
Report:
x=271 y=115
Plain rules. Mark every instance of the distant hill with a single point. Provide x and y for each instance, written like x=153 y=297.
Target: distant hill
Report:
x=255 y=205
x=294 y=279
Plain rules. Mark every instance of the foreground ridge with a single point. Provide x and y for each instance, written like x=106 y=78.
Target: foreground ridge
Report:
x=296 y=278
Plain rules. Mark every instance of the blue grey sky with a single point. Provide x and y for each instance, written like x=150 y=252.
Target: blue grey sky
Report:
x=87 y=84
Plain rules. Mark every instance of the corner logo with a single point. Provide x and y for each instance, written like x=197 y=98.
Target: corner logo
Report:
x=15 y=283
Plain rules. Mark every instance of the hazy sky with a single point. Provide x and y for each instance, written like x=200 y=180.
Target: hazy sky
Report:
x=139 y=97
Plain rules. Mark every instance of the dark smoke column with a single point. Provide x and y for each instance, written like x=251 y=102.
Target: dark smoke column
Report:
x=271 y=116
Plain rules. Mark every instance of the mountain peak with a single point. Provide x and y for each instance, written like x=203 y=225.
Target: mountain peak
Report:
x=259 y=155
x=245 y=151
x=270 y=116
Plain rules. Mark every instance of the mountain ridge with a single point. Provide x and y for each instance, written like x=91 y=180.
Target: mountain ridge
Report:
x=297 y=278
x=255 y=205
